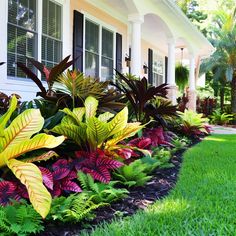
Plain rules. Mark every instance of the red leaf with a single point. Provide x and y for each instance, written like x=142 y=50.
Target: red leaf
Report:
x=60 y=173
x=47 y=177
x=68 y=185
x=62 y=163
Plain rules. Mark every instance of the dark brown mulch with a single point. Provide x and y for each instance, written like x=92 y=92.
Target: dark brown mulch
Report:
x=139 y=198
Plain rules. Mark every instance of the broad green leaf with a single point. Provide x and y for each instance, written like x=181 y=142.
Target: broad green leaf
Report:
x=119 y=122
x=105 y=116
x=31 y=177
x=74 y=132
x=4 y=119
x=22 y=128
x=96 y=131
x=37 y=142
x=91 y=105
x=68 y=120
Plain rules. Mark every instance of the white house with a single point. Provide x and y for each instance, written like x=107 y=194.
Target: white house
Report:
x=105 y=34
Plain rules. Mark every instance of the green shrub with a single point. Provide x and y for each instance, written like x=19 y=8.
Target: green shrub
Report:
x=220 y=118
x=19 y=219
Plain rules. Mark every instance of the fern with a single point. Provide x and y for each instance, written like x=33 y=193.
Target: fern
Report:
x=74 y=208
x=133 y=174
x=101 y=192
x=19 y=219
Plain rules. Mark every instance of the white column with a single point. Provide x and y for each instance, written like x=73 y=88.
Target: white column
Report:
x=192 y=85
x=171 y=63
x=136 y=20
x=192 y=96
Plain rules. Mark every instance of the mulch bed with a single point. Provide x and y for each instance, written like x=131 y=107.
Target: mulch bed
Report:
x=162 y=182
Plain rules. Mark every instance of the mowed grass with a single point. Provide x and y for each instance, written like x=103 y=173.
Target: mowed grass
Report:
x=202 y=203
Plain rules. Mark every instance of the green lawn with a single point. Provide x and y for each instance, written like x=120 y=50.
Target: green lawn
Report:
x=203 y=202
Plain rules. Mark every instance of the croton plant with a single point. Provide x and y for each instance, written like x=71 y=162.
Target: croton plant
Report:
x=15 y=140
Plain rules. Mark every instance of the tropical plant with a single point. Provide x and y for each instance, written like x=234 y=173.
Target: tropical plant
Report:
x=15 y=140
x=134 y=174
x=139 y=93
x=161 y=110
x=5 y=101
x=220 y=118
x=179 y=144
x=19 y=219
x=60 y=177
x=182 y=102
x=181 y=76
x=193 y=124
x=206 y=105
x=223 y=60
x=91 y=133
x=50 y=75
x=101 y=192
x=74 y=208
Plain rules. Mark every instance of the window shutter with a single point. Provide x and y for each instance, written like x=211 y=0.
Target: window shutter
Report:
x=118 y=52
x=150 y=66
x=166 y=69
x=78 y=32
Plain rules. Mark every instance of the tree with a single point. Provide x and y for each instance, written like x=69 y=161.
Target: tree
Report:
x=223 y=60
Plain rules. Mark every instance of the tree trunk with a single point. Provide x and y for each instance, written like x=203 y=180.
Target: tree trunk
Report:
x=222 y=98
x=233 y=94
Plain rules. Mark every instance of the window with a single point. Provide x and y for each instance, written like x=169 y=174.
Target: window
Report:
x=23 y=35
x=52 y=33
x=158 y=68
x=99 y=51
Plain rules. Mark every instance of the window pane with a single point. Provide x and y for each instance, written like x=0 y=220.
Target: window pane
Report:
x=52 y=33
x=91 y=37
x=107 y=69
x=91 y=64
x=107 y=43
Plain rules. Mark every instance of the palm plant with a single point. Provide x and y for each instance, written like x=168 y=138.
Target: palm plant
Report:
x=223 y=60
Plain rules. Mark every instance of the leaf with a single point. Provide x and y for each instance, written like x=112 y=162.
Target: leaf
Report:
x=96 y=131
x=22 y=127
x=105 y=116
x=118 y=123
x=73 y=132
x=37 y=142
x=4 y=119
x=47 y=177
x=68 y=185
x=44 y=157
x=31 y=177
x=130 y=130
x=91 y=105
x=79 y=112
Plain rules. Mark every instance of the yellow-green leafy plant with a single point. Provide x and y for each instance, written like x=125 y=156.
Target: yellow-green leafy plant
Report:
x=15 y=140
x=90 y=132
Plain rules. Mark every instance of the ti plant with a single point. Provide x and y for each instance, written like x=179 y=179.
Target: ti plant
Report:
x=139 y=93
x=16 y=140
x=50 y=75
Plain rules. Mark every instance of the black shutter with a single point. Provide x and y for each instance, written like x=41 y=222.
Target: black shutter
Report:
x=150 y=66
x=78 y=32
x=166 y=69
x=119 y=52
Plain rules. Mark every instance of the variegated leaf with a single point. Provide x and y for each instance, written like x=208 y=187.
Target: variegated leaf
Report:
x=31 y=177
x=68 y=120
x=71 y=115
x=96 y=131
x=130 y=130
x=105 y=116
x=44 y=157
x=119 y=122
x=37 y=142
x=4 y=118
x=79 y=112
x=23 y=127
x=91 y=105
x=74 y=132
